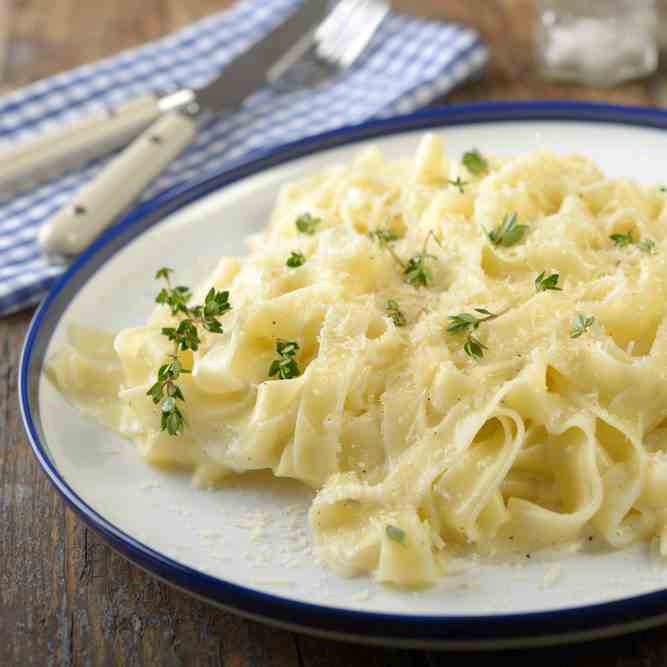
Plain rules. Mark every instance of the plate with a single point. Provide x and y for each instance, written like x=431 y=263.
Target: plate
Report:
x=246 y=547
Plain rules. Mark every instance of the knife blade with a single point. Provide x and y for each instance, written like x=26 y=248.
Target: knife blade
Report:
x=247 y=71
x=52 y=153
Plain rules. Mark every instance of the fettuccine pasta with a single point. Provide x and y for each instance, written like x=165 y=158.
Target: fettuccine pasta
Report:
x=450 y=393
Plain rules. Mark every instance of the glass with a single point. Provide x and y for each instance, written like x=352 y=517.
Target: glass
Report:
x=598 y=42
x=662 y=24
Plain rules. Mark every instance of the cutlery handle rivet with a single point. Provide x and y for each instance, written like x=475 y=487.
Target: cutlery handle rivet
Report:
x=192 y=108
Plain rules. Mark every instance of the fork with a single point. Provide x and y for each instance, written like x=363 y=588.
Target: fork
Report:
x=333 y=46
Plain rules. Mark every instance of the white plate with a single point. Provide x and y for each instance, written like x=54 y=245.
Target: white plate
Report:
x=247 y=546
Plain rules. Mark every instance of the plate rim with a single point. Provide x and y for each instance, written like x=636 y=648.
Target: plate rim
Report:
x=505 y=630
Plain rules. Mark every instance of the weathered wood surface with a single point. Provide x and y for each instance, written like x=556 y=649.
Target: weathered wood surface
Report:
x=65 y=597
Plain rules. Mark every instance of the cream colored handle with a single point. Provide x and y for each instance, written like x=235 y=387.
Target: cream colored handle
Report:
x=100 y=202
x=55 y=151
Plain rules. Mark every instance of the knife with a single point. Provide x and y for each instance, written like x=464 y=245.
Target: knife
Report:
x=100 y=201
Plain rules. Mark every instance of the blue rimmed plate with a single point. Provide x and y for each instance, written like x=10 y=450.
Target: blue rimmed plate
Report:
x=246 y=547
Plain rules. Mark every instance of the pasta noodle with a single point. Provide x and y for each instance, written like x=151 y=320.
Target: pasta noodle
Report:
x=542 y=419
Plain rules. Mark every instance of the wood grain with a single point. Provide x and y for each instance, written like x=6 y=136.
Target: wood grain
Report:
x=4 y=36
x=65 y=597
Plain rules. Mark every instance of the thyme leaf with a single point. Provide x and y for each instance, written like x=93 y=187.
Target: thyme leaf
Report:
x=475 y=162
x=395 y=533
x=395 y=313
x=508 y=232
x=295 y=259
x=647 y=246
x=545 y=282
x=581 y=324
x=307 y=224
x=285 y=367
x=622 y=240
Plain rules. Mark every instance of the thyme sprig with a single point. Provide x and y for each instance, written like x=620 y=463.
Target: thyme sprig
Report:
x=623 y=240
x=166 y=391
x=175 y=297
x=383 y=236
x=508 y=232
x=285 y=367
x=469 y=323
x=417 y=271
x=647 y=246
x=394 y=311
x=545 y=282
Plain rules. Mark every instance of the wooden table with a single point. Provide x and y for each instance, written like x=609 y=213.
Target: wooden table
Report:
x=65 y=597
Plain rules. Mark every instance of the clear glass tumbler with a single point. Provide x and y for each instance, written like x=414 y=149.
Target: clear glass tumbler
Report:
x=596 y=42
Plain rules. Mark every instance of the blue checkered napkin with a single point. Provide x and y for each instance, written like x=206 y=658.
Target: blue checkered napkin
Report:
x=408 y=63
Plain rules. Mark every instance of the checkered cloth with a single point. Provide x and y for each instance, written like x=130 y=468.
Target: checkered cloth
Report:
x=408 y=63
